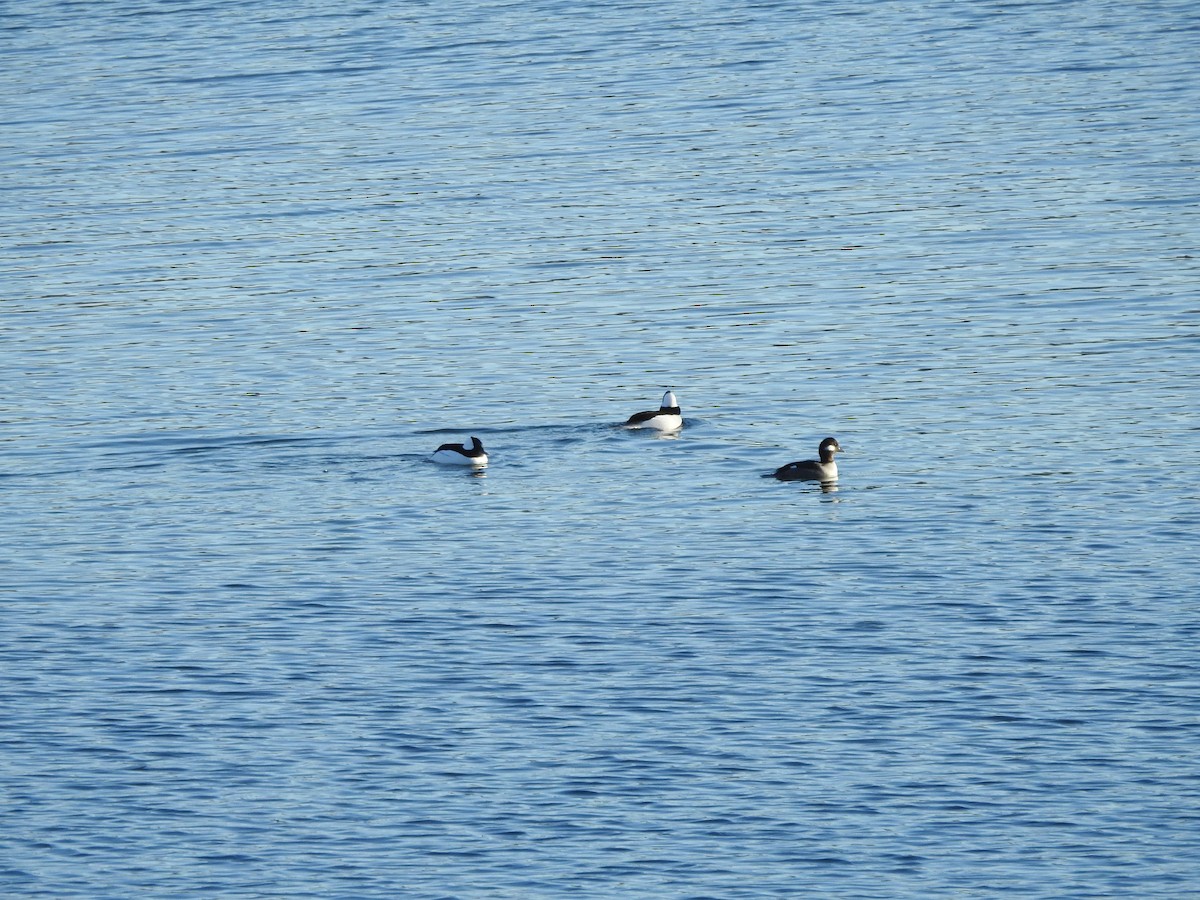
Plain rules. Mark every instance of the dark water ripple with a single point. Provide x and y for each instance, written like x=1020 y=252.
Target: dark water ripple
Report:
x=259 y=261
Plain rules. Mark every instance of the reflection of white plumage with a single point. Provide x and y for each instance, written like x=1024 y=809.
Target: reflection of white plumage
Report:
x=824 y=469
x=666 y=418
x=461 y=455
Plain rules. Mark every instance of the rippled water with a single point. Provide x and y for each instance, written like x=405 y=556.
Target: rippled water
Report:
x=259 y=260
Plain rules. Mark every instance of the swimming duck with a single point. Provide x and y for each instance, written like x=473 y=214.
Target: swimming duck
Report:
x=666 y=418
x=824 y=469
x=461 y=454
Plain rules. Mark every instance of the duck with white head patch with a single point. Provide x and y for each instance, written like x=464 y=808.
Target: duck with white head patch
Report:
x=461 y=454
x=666 y=418
x=823 y=469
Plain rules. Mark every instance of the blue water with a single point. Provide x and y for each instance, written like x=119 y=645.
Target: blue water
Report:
x=258 y=260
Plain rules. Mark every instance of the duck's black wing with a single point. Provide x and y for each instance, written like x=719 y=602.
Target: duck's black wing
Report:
x=798 y=471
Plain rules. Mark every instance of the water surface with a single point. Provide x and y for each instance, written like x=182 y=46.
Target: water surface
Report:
x=259 y=261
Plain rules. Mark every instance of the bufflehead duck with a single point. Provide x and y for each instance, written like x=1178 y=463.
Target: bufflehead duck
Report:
x=666 y=418
x=824 y=469
x=461 y=455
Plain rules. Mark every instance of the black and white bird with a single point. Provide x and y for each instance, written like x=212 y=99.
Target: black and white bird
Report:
x=666 y=418
x=461 y=454
x=823 y=469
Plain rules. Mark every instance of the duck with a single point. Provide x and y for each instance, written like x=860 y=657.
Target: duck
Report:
x=823 y=469
x=666 y=418
x=461 y=454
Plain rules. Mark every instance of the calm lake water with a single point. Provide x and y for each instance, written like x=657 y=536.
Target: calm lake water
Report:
x=259 y=260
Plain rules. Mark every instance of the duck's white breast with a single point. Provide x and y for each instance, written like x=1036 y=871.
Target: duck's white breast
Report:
x=454 y=458
x=666 y=422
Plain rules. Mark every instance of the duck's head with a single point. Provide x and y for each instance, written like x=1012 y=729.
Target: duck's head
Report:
x=829 y=446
